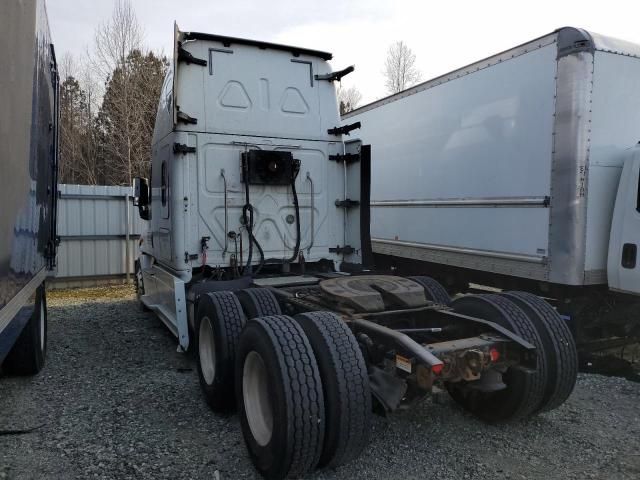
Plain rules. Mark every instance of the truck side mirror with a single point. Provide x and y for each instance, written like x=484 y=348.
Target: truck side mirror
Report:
x=141 y=197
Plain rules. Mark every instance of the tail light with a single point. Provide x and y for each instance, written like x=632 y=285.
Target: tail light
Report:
x=494 y=354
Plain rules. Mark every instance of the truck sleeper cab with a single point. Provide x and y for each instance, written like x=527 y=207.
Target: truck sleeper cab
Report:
x=256 y=259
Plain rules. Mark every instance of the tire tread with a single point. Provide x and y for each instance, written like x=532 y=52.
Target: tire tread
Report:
x=564 y=355
x=228 y=312
x=349 y=371
x=303 y=391
x=259 y=302
x=26 y=357
x=434 y=289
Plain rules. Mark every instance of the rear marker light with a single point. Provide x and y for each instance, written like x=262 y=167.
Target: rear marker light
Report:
x=494 y=354
x=437 y=369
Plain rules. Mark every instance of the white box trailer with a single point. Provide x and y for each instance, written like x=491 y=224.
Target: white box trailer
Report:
x=507 y=170
x=28 y=182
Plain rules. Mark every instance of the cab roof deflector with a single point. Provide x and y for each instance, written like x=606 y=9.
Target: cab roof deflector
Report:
x=228 y=41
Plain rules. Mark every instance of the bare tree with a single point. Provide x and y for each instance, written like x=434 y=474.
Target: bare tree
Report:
x=400 y=69
x=108 y=103
x=125 y=122
x=79 y=102
x=77 y=135
x=348 y=99
x=67 y=66
x=115 y=40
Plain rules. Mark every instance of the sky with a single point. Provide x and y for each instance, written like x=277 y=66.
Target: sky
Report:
x=444 y=35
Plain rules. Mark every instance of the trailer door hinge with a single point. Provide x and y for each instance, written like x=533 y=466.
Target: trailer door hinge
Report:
x=185 y=56
x=344 y=130
x=346 y=158
x=346 y=250
x=547 y=201
x=182 y=148
x=184 y=118
x=347 y=203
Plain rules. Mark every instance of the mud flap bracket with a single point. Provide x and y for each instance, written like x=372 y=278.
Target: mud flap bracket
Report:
x=346 y=250
x=335 y=76
x=344 y=130
x=184 y=118
x=187 y=57
x=182 y=148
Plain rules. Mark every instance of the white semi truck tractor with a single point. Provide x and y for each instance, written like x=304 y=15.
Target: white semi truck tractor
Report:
x=519 y=171
x=256 y=259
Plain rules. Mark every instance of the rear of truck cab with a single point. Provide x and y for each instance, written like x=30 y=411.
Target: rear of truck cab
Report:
x=225 y=97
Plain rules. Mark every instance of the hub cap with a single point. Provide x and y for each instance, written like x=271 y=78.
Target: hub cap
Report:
x=207 y=350
x=257 y=404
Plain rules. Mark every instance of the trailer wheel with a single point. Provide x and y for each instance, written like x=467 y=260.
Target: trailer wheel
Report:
x=525 y=389
x=219 y=321
x=347 y=397
x=557 y=345
x=259 y=302
x=433 y=289
x=139 y=285
x=28 y=353
x=280 y=398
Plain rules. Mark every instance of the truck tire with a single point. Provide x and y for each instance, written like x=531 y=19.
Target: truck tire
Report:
x=28 y=353
x=347 y=397
x=558 y=346
x=433 y=289
x=219 y=321
x=280 y=397
x=139 y=285
x=259 y=302
x=525 y=389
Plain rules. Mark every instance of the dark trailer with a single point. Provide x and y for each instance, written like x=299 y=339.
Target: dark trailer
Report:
x=28 y=181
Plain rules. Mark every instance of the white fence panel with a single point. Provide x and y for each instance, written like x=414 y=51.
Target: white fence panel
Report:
x=93 y=224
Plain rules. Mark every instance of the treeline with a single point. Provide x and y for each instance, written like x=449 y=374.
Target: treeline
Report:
x=108 y=103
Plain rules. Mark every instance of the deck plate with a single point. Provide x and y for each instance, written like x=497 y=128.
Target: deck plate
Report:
x=374 y=293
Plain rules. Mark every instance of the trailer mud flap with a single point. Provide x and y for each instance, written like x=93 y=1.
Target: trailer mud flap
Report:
x=386 y=388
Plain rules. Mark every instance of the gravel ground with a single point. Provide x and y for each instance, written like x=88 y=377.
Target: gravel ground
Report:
x=117 y=401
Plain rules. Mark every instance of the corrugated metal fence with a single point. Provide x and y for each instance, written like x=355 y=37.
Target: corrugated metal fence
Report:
x=93 y=225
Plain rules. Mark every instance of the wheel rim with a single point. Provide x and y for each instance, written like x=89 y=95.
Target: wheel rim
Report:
x=207 y=350
x=257 y=404
x=42 y=326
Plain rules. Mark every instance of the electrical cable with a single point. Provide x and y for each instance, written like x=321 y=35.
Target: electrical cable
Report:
x=249 y=225
x=248 y=222
x=296 y=206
